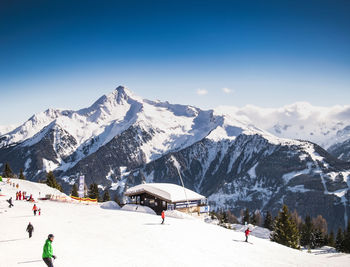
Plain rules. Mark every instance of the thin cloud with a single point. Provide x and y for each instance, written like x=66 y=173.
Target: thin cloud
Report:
x=227 y=90
x=202 y=92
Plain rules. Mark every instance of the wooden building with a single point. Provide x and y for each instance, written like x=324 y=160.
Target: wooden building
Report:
x=165 y=196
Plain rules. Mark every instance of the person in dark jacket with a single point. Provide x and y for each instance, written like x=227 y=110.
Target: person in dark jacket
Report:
x=48 y=252
x=30 y=229
x=247 y=232
x=10 y=202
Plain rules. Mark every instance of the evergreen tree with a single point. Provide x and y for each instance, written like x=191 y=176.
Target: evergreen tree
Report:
x=285 y=231
x=268 y=223
x=246 y=217
x=94 y=192
x=318 y=238
x=59 y=187
x=306 y=235
x=339 y=241
x=106 y=196
x=51 y=180
x=330 y=240
x=74 y=191
x=253 y=219
x=346 y=243
x=21 y=175
x=7 y=171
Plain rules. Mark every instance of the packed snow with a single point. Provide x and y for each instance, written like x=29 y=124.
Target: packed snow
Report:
x=86 y=235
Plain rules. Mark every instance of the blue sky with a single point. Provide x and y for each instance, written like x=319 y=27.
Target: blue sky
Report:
x=61 y=54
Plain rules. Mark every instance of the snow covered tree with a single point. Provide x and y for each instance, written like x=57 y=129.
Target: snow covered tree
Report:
x=21 y=175
x=7 y=171
x=268 y=223
x=285 y=231
x=94 y=192
x=74 y=191
x=339 y=241
x=106 y=196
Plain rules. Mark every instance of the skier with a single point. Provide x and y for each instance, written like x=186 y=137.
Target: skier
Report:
x=163 y=216
x=35 y=209
x=39 y=210
x=16 y=195
x=20 y=195
x=47 y=251
x=30 y=229
x=10 y=202
x=247 y=232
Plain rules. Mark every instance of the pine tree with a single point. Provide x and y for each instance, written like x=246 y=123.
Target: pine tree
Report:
x=74 y=191
x=106 y=196
x=330 y=240
x=21 y=175
x=306 y=235
x=346 y=243
x=285 y=231
x=51 y=180
x=7 y=171
x=253 y=219
x=339 y=241
x=94 y=192
x=268 y=223
x=246 y=217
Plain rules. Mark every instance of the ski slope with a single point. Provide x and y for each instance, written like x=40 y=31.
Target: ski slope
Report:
x=87 y=235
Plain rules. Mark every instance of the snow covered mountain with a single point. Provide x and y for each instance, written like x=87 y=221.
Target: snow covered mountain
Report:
x=122 y=140
x=325 y=126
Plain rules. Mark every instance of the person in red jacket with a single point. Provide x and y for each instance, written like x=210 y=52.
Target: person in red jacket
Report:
x=163 y=216
x=35 y=209
x=247 y=232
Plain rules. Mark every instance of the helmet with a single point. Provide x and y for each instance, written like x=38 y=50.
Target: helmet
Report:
x=50 y=236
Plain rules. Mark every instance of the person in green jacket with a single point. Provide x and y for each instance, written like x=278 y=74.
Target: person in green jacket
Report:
x=47 y=251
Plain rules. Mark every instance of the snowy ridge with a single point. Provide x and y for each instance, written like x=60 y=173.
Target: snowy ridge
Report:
x=170 y=127
x=322 y=125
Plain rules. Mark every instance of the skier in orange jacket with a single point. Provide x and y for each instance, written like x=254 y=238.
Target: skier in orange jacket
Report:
x=163 y=216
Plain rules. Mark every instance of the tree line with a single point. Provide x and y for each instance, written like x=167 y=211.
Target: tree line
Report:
x=8 y=173
x=289 y=229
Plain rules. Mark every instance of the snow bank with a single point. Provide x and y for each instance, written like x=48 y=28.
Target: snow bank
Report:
x=177 y=214
x=37 y=190
x=138 y=208
x=110 y=205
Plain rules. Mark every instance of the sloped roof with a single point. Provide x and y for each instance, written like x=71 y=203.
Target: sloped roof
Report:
x=169 y=192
